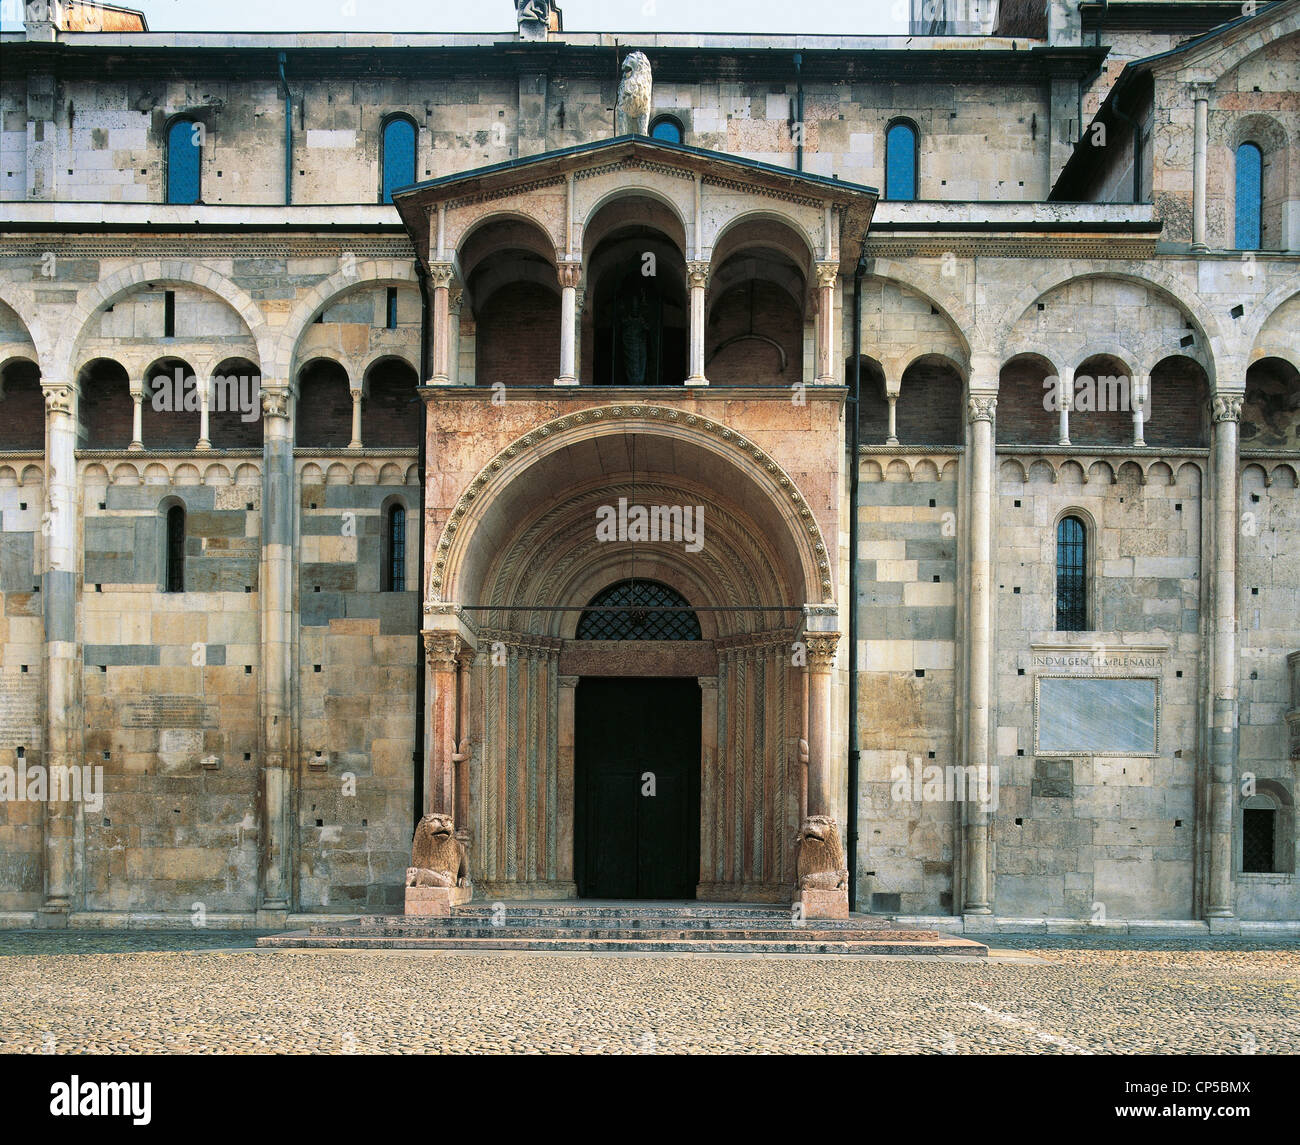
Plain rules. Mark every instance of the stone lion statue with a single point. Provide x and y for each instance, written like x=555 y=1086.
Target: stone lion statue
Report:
x=819 y=858
x=437 y=857
x=632 y=111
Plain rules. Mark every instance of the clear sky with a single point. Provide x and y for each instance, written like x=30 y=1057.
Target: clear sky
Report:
x=833 y=17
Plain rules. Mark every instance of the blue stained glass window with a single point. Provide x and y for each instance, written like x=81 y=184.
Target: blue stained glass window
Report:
x=900 y=162
x=399 y=156
x=1250 y=169
x=667 y=129
x=184 y=149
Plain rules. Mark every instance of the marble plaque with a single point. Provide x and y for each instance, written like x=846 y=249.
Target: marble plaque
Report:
x=1093 y=715
x=168 y=712
x=20 y=710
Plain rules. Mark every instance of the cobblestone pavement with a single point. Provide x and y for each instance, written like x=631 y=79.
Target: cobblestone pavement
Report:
x=209 y=992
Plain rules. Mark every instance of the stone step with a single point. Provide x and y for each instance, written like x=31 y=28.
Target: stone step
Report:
x=393 y=924
x=611 y=933
x=943 y=944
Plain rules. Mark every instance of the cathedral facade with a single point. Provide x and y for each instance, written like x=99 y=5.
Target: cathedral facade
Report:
x=631 y=446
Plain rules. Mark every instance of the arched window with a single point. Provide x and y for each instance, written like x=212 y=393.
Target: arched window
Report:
x=625 y=614
x=900 y=161
x=394 y=571
x=1258 y=832
x=1268 y=829
x=1250 y=196
x=174 y=580
x=184 y=150
x=666 y=128
x=398 y=160
x=1071 y=575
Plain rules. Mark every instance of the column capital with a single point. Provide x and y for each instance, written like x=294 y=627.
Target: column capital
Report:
x=707 y=682
x=828 y=274
x=980 y=407
x=821 y=649
x=441 y=650
x=455 y=297
x=569 y=272
x=568 y=681
x=58 y=397
x=1226 y=407
x=697 y=273
x=275 y=400
x=441 y=274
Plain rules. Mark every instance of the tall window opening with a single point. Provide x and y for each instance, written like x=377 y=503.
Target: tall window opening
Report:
x=900 y=162
x=1250 y=196
x=398 y=156
x=394 y=578
x=1258 y=835
x=1071 y=576
x=175 y=579
x=184 y=150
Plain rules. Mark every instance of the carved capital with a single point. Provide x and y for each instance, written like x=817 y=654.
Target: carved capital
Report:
x=58 y=397
x=275 y=401
x=697 y=274
x=441 y=274
x=828 y=274
x=1226 y=407
x=821 y=648
x=454 y=299
x=569 y=273
x=980 y=408
x=441 y=650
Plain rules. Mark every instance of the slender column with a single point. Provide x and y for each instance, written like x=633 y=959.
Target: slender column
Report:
x=828 y=274
x=355 y=443
x=1065 y=393
x=1200 y=138
x=137 y=415
x=821 y=658
x=579 y=309
x=205 y=407
x=460 y=760
x=564 y=812
x=442 y=650
x=977 y=888
x=1139 y=394
x=708 y=772
x=278 y=516
x=697 y=276
x=892 y=439
x=1223 y=727
x=455 y=306
x=570 y=272
x=62 y=675
x=441 y=274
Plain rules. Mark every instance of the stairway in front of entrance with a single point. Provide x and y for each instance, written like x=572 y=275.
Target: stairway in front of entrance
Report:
x=605 y=927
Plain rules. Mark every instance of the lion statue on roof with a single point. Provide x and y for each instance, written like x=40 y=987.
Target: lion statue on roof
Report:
x=632 y=111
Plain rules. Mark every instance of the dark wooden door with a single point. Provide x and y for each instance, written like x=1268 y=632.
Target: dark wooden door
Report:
x=630 y=734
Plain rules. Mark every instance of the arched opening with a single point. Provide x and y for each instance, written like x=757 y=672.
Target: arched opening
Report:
x=174 y=548
x=1176 y=414
x=1102 y=410
x=22 y=405
x=930 y=403
x=636 y=292
x=1268 y=829
x=1071 y=575
x=1249 y=196
x=902 y=161
x=323 y=413
x=1270 y=414
x=392 y=573
x=235 y=405
x=170 y=416
x=638 y=610
x=105 y=409
x=184 y=161
x=667 y=129
x=397 y=159
x=1028 y=392
x=873 y=405
x=510 y=273
x=392 y=414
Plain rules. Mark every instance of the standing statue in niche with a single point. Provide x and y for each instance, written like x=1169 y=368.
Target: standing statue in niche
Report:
x=634 y=331
x=632 y=110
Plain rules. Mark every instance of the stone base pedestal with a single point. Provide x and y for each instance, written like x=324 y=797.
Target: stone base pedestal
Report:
x=1228 y=925
x=825 y=904
x=435 y=901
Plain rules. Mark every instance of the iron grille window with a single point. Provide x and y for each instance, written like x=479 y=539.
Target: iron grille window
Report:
x=175 y=549
x=1257 y=826
x=395 y=546
x=633 y=621
x=1071 y=576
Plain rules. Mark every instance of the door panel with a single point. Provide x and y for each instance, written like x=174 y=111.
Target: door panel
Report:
x=628 y=844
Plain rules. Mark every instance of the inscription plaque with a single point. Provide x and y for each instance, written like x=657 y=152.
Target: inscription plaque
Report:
x=20 y=721
x=1096 y=715
x=167 y=712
